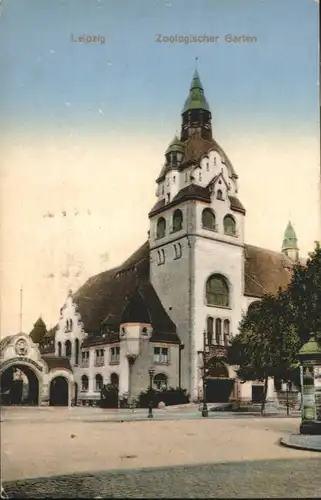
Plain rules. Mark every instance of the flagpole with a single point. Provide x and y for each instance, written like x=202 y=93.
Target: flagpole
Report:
x=20 y=314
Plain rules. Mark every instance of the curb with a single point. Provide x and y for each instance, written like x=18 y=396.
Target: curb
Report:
x=285 y=441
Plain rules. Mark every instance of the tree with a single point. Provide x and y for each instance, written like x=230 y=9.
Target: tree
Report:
x=39 y=331
x=304 y=296
x=272 y=332
x=267 y=345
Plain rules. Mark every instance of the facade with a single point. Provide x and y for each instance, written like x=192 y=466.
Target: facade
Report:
x=194 y=274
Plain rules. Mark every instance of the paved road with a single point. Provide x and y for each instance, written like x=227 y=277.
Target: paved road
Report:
x=296 y=478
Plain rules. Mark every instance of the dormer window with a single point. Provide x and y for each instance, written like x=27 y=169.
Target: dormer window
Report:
x=186 y=177
x=219 y=195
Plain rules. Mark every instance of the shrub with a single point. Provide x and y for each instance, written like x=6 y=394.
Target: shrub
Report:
x=109 y=396
x=169 y=396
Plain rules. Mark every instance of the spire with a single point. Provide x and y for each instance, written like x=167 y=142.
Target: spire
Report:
x=196 y=98
x=290 y=241
x=175 y=146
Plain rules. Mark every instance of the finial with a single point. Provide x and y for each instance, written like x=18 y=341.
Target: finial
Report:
x=196 y=60
x=69 y=292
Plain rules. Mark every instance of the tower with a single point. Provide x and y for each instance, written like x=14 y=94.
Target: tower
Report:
x=196 y=237
x=290 y=243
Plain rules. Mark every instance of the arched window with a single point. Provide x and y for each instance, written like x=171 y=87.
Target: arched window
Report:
x=98 y=382
x=217 y=291
x=218 y=331
x=59 y=348
x=161 y=228
x=178 y=250
x=219 y=195
x=255 y=304
x=210 y=330
x=70 y=324
x=177 y=220
x=229 y=225
x=226 y=332
x=84 y=383
x=68 y=348
x=208 y=219
x=160 y=381
x=76 y=351
x=114 y=379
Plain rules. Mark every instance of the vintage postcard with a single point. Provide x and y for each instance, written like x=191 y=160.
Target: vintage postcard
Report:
x=160 y=248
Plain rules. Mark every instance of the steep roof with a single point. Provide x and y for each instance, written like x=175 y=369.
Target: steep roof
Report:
x=265 y=271
x=102 y=298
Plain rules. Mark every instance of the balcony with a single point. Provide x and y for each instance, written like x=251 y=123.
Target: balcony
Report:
x=99 y=362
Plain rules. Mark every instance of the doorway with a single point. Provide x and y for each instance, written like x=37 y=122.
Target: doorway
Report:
x=19 y=386
x=59 y=393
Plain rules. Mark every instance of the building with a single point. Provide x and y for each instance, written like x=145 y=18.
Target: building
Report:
x=194 y=273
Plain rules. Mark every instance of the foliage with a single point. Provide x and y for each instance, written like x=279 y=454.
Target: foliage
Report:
x=169 y=396
x=272 y=331
x=109 y=396
x=39 y=331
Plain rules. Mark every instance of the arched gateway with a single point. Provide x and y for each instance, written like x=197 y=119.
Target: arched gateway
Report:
x=27 y=378
x=219 y=386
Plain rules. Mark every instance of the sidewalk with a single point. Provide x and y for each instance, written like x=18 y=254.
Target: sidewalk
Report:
x=302 y=442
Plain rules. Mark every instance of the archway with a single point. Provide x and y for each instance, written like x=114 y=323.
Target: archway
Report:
x=219 y=386
x=59 y=392
x=19 y=386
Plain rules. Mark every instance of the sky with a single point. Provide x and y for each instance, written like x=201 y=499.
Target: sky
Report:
x=84 y=128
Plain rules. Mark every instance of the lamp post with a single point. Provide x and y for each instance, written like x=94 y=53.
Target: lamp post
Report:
x=205 y=351
x=151 y=372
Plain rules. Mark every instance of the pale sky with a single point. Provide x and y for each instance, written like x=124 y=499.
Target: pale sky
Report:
x=84 y=130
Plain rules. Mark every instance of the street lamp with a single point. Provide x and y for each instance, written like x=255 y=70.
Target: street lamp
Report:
x=205 y=351
x=151 y=372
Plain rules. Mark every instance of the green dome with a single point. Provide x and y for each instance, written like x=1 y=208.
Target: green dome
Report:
x=290 y=240
x=196 y=98
x=311 y=349
x=175 y=146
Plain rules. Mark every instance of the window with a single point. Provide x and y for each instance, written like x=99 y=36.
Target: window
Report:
x=253 y=306
x=144 y=331
x=177 y=250
x=85 y=358
x=226 y=332
x=99 y=357
x=214 y=161
x=84 y=383
x=200 y=176
x=210 y=330
x=161 y=355
x=207 y=166
x=98 y=382
x=229 y=225
x=218 y=331
x=68 y=327
x=163 y=255
x=68 y=348
x=59 y=348
x=174 y=179
x=161 y=228
x=162 y=188
x=186 y=178
x=114 y=379
x=114 y=355
x=76 y=351
x=160 y=381
x=219 y=195
x=217 y=291
x=208 y=219
x=177 y=220
x=168 y=198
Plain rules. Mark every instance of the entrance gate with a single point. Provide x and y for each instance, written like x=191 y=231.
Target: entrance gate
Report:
x=59 y=392
x=219 y=386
